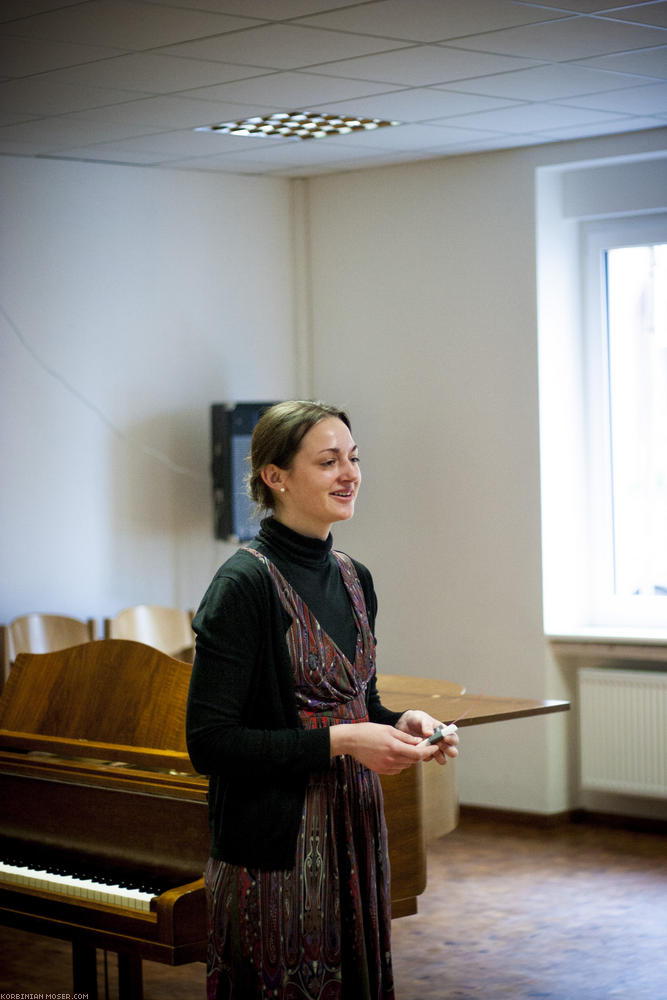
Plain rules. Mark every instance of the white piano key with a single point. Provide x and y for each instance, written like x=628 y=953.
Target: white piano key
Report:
x=81 y=888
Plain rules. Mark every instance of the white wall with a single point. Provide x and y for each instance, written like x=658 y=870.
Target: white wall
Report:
x=424 y=305
x=131 y=300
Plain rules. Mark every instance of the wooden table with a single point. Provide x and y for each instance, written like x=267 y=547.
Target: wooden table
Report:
x=434 y=797
x=448 y=701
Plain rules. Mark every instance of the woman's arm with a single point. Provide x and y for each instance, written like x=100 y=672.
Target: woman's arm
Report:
x=376 y=710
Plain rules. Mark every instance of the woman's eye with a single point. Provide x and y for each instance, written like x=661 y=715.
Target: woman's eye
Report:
x=355 y=458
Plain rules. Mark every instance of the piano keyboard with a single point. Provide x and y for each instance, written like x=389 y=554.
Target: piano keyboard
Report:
x=81 y=886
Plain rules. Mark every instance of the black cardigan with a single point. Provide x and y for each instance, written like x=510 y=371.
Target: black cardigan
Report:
x=243 y=727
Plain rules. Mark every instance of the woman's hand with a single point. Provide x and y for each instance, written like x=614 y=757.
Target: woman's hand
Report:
x=422 y=724
x=381 y=748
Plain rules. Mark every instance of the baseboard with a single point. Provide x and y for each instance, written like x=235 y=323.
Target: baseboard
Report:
x=568 y=817
x=640 y=824
x=490 y=815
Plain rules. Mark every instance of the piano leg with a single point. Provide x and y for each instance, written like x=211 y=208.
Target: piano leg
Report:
x=130 y=977
x=84 y=969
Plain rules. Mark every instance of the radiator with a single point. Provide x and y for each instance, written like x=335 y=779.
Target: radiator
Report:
x=623 y=731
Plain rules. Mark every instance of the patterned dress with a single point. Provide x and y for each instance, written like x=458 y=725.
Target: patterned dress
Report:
x=320 y=931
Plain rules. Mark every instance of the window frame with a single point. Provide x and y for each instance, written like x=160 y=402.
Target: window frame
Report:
x=611 y=193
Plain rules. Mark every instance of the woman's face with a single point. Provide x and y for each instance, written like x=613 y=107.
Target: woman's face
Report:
x=321 y=486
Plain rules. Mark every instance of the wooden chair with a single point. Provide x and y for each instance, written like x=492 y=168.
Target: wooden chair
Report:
x=44 y=633
x=166 y=629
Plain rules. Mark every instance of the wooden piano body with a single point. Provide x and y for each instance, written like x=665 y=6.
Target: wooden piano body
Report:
x=94 y=773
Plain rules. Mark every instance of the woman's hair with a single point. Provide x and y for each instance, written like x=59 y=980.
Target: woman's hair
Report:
x=277 y=438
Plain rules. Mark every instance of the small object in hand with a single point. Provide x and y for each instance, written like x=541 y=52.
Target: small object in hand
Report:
x=439 y=734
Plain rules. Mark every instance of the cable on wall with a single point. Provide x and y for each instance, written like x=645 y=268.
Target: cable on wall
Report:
x=154 y=453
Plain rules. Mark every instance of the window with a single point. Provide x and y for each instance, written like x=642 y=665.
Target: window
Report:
x=602 y=335
x=625 y=429
x=636 y=286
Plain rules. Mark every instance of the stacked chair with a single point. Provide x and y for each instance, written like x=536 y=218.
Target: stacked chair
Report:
x=42 y=633
x=166 y=629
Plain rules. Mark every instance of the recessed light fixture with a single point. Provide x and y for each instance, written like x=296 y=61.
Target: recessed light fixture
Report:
x=296 y=125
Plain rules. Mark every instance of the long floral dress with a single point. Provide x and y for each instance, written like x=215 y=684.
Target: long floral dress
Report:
x=320 y=931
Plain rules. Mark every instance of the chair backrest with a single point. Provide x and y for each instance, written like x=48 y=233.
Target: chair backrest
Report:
x=166 y=629
x=43 y=633
x=40 y=633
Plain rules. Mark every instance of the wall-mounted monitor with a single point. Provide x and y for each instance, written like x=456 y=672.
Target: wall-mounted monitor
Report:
x=232 y=425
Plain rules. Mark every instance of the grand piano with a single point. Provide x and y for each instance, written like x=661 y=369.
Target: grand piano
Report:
x=104 y=833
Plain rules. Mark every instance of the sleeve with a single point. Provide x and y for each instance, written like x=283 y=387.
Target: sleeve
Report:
x=376 y=710
x=241 y=718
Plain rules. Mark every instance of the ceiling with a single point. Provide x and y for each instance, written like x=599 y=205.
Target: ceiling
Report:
x=129 y=81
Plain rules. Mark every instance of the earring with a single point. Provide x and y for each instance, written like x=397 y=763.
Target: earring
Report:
x=282 y=489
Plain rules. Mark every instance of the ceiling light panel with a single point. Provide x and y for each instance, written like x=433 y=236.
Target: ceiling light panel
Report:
x=297 y=125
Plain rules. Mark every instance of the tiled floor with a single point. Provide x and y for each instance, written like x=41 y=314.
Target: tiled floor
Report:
x=511 y=912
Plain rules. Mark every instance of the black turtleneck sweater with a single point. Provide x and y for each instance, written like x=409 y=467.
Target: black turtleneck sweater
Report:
x=243 y=727
x=309 y=567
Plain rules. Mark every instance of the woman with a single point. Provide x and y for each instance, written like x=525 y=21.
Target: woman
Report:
x=285 y=718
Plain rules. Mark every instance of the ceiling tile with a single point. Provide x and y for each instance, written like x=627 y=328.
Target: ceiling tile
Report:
x=21 y=57
x=290 y=91
x=426 y=21
x=417 y=136
x=40 y=95
x=12 y=118
x=123 y=25
x=578 y=37
x=651 y=62
x=647 y=100
x=97 y=130
x=312 y=151
x=423 y=66
x=648 y=13
x=12 y=147
x=601 y=128
x=151 y=73
x=12 y=9
x=529 y=117
x=245 y=164
x=548 y=82
x=590 y=6
x=268 y=9
x=56 y=132
x=177 y=144
x=283 y=46
x=168 y=112
x=106 y=154
x=418 y=104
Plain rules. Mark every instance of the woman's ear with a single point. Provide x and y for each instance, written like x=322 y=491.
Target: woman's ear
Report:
x=274 y=478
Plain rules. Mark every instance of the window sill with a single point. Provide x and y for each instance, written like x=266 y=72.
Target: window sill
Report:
x=613 y=645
